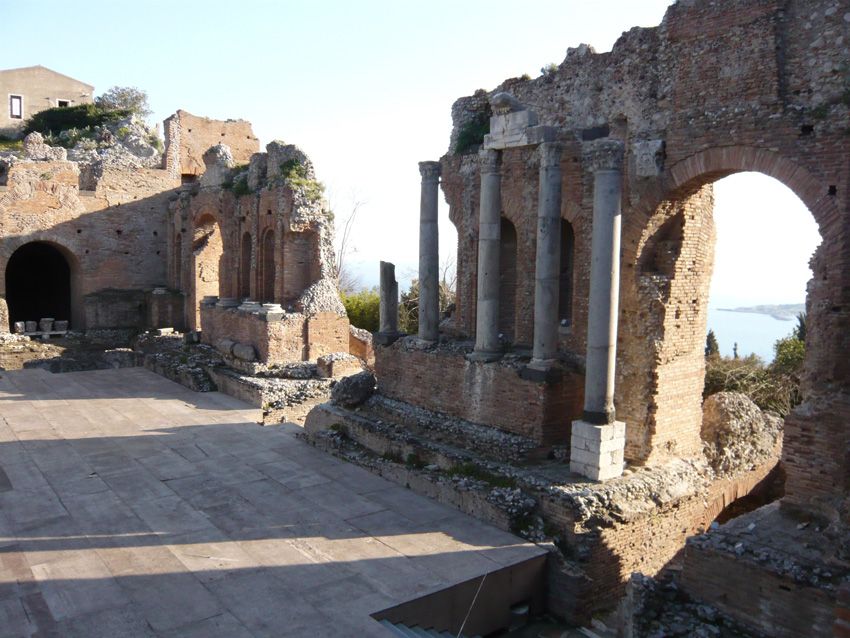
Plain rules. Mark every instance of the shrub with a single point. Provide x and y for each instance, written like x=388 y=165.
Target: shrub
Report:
x=363 y=309
x=295 y=173
x=775 y=387
x=64 y=118
x=471 y=134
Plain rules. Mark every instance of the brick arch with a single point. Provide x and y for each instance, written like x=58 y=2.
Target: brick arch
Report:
x=687 y=186
x=712 y=164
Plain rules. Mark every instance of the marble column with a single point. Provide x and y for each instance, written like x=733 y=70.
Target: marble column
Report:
x=548 y=259
x=487 y=346
x=429 y=253
x=598 y=440
x=388 y=309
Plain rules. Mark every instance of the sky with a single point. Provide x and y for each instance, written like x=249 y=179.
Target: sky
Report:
x=365 y=88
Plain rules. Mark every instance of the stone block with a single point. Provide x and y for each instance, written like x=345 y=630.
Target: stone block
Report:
x=337 y=364
x=649 y=158
x=595 y=472
x=225 y=346
x=592 y=431
x=597 y=446
x=244 y=351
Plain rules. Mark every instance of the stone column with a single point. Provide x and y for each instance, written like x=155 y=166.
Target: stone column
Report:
x=388 y=317
x=598 y=440
x=548 y=260
x=429 y=253
x=487 y=347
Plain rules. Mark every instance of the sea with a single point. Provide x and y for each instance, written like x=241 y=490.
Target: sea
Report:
x=753 y=332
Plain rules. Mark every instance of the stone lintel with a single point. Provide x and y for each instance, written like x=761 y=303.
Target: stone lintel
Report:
x=529 y=136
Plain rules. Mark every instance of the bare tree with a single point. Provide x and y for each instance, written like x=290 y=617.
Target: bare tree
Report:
x=346 y=279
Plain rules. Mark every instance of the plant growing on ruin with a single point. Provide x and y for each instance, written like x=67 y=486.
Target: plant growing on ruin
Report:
x=296 y=175
x=471 y=134
x=81 y=116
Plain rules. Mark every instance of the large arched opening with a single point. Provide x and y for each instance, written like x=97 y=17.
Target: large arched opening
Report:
x=41 y=283
x=667 y=305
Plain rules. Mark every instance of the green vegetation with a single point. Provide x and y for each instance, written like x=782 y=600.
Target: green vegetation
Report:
x=363 y=309
x=414 y=461
x=8 y=144
x=473 y=471
x=295 y=173
x=471 y=134
x=408 y=307
x=712 y=349
x=774 y=387
x=83 y=116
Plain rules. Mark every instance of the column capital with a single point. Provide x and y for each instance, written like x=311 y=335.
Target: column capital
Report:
x=550 y=153
x=605 y=155
x=430 y=171
x=489 y=161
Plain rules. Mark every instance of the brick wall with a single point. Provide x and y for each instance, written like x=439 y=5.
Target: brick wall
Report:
x=113 y=237
x=188 y=137
x=726 y=87
x=491 y=394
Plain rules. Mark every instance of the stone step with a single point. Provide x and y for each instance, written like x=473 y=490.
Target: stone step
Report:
x=484 y=441
x=455 y=477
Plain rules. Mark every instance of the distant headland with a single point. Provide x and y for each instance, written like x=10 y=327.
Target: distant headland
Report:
x=782 y=312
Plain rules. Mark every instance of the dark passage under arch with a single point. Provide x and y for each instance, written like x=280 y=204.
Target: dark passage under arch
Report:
x=38 y=283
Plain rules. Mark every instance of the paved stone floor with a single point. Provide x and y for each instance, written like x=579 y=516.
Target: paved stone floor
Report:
x=130 y=506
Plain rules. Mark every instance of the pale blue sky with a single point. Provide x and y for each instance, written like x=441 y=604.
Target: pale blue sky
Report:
x=365 y=88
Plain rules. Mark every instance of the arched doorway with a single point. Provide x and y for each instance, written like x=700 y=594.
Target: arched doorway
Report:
x=267 y=269
x=245 y=258
x=507 y=280
x=38 y=283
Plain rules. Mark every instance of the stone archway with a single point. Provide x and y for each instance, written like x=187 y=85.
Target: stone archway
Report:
x=40 y=281
x=669 y=250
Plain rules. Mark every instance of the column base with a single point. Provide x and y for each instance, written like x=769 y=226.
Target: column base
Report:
x=596 y=451
x=386 y=338
x=484 y=357
x=541 y=371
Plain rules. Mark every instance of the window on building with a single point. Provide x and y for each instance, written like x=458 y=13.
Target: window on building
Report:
x=63 y=103
x=16 y=107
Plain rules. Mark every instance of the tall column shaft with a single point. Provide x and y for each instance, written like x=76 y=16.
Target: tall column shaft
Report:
x=547 y=265
x=388 y=309
x=598 y=441
x=429 y=253
x=604 y=286
x=487 y=311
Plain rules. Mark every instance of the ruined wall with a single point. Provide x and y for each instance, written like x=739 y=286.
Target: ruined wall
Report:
x=444 y=381
x=717 y=88
x=187 y=138
x=259 y=232
x=113 y=237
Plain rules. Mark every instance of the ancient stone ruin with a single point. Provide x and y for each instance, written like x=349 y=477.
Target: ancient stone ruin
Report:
x=562 y=400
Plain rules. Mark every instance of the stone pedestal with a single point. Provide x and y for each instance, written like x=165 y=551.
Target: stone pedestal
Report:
x=596 y=451
x=429 y=254
x=487 y=346
x=606 y=159
x=548 y=259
